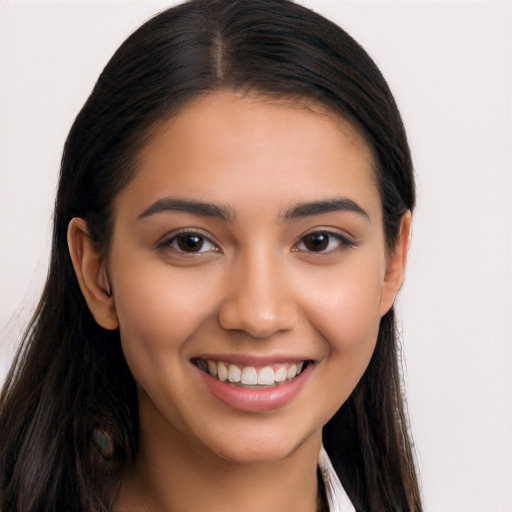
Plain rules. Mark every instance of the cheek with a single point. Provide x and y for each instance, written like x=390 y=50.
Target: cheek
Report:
x=158 y=310
x=345 y=309
x=345 y=312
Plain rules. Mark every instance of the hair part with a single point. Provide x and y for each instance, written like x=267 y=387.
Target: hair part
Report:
x=70 y=375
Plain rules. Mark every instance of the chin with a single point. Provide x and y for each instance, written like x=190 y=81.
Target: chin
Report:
x=259 y=448
x=246 y=457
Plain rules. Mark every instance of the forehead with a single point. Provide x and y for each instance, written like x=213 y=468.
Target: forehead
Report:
x=233 y=147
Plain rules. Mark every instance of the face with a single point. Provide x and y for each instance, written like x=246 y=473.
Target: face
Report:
x=248 y=272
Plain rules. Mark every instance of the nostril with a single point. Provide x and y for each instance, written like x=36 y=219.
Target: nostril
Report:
x=259 y=320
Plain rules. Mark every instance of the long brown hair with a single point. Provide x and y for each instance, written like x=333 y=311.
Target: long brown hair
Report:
x=70 y=374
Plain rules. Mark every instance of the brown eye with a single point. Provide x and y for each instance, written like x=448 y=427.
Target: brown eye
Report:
x=316 y=242
x=189 y=242
x=324 y=242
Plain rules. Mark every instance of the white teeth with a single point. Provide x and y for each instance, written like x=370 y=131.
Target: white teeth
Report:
x=291 y=372
x=234 y=373
x=212 y=368
x=280 y=374
x=249 y=376
x=266 y=376
x=222 y=372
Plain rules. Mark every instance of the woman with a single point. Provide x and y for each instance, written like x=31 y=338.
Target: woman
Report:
x=231 y=229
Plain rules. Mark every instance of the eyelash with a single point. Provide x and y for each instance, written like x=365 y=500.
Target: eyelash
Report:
x=341 y=241
x=175 y=238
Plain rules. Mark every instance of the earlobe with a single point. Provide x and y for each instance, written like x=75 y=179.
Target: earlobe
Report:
x=397 y=262
x=91 y=272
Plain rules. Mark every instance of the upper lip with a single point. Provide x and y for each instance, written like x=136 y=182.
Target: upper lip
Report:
x=253 y=359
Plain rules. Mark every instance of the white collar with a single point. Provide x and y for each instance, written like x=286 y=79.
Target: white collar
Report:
x=337 y=498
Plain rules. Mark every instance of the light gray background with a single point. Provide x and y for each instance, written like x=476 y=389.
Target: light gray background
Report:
x=449 y=65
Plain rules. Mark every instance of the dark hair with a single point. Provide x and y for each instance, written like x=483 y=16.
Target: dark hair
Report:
x=70 y=374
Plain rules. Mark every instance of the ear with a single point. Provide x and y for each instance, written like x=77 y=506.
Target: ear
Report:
x=92 y=275
x=395 y=267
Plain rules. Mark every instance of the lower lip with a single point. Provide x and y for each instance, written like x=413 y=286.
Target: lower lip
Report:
x=256 y=399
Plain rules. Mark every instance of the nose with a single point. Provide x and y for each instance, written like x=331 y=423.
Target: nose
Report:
x=259 y=300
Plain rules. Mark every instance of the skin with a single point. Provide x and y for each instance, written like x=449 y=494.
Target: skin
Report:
x=256 y=288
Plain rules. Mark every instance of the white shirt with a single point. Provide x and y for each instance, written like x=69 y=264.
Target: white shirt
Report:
x=336 y=496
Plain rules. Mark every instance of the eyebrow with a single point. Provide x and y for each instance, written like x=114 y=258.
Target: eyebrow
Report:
x=227 y=214
x=179 y=204
x=334 y=204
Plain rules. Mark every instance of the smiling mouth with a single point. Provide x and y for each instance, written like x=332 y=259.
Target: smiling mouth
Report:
x=251 y=376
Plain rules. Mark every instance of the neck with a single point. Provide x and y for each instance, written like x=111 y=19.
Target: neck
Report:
x=173 y=473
